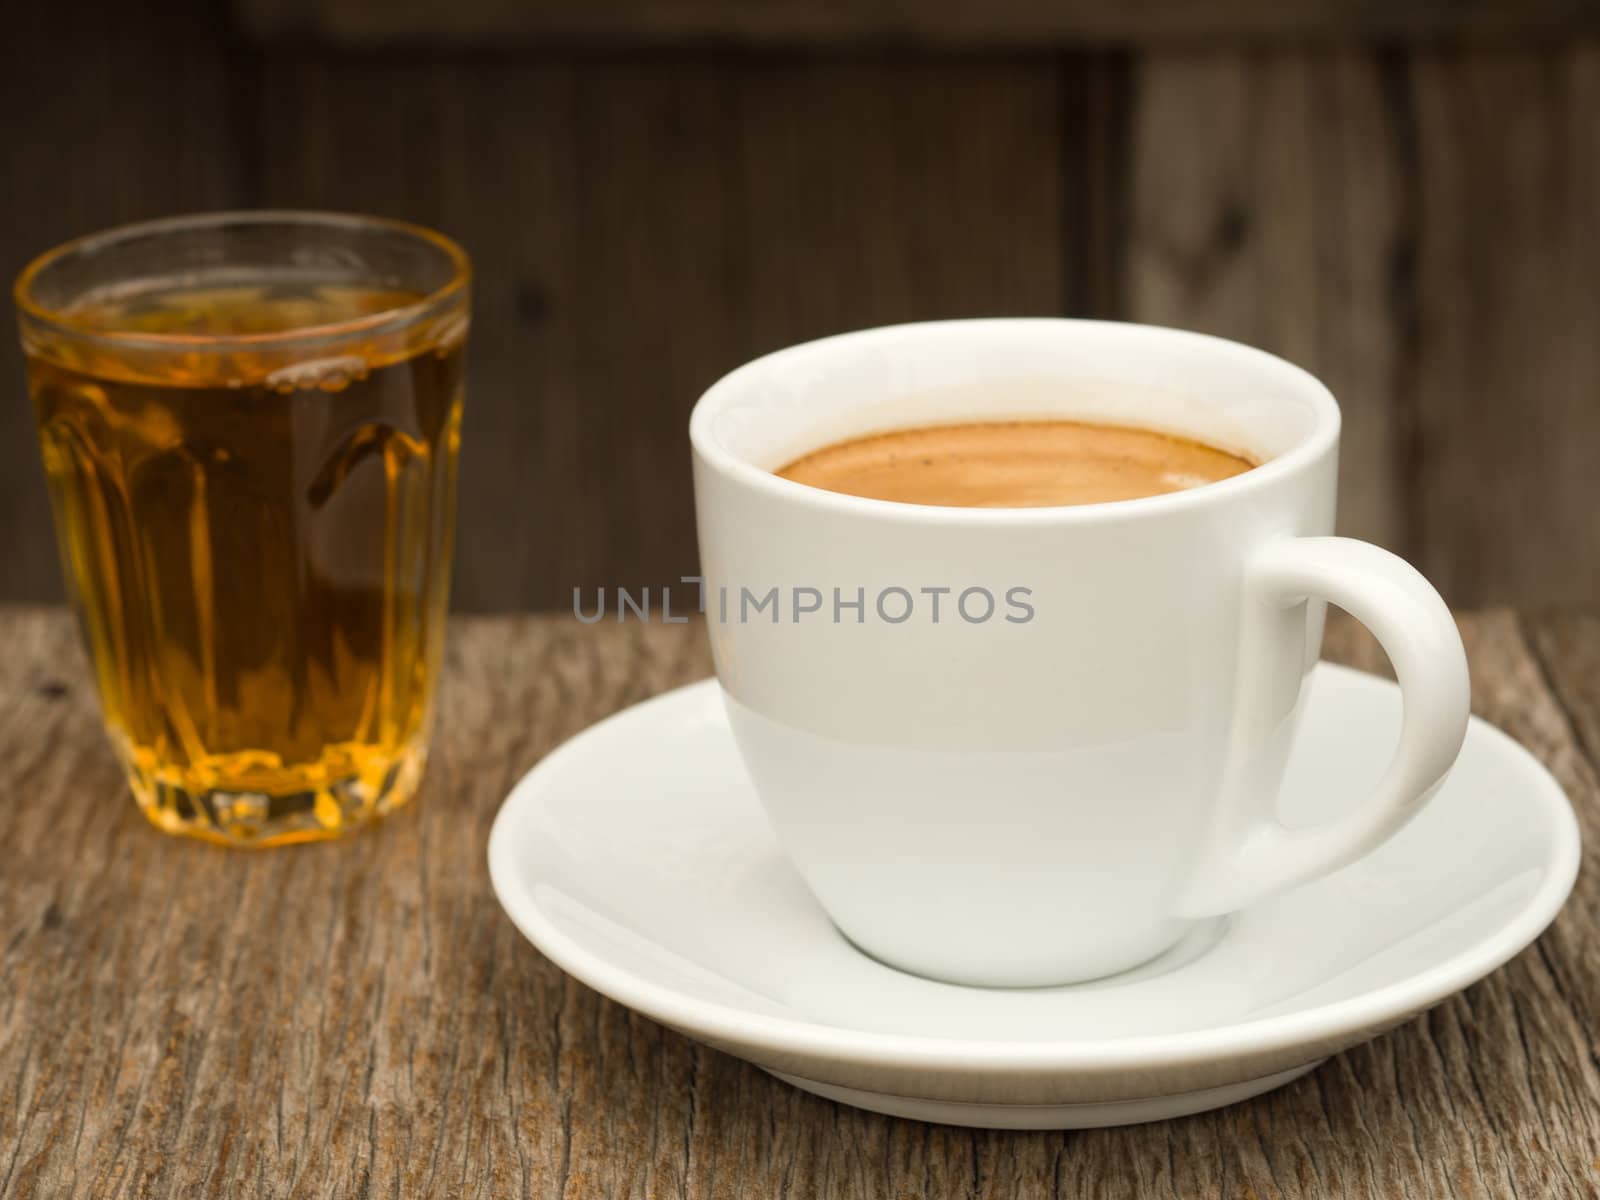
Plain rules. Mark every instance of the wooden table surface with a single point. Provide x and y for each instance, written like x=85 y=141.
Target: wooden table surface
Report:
x=359 y=1019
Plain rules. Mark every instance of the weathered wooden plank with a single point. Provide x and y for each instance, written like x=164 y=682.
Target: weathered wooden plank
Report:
x=1508 y=364
x=875 y=194
x=121 y=114
x=939 y=22
x=640 y=227
x=1546 y=1003
x=352 y=1020
x=1567 y=646
x=1268 y=206
x=358 y=1018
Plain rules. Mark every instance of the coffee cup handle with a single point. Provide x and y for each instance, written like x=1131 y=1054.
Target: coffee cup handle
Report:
x=1248 y=853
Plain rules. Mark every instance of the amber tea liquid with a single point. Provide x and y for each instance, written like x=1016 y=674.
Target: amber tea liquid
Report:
x=257 y=545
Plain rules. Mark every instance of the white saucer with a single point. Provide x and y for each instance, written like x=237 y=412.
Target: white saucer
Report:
x=637 y=858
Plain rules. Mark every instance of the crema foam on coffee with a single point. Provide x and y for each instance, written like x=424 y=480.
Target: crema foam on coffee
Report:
x=1014 y=464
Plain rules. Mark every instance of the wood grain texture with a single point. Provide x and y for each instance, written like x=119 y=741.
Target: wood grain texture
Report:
x=1566 y=647
x=359 y=1019
x=1268 y=207
x=938 y=22
x=640 y=227
x=1508 y=369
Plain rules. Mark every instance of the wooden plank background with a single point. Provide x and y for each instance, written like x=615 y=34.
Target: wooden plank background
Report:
x=1415 y=221
x=937 y=22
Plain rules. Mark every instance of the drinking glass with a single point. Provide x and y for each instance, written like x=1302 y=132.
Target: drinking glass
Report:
x=250 y=424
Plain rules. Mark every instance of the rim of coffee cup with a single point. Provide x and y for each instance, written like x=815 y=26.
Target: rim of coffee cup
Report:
x=733 y=391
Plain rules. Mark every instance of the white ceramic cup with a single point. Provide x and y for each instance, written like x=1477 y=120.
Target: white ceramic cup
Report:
x=1023 y=800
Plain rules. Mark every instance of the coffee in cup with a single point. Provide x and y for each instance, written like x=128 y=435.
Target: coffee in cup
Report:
x=1015 y=464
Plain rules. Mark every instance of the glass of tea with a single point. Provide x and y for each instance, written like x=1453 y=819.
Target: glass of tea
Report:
x=250 y=424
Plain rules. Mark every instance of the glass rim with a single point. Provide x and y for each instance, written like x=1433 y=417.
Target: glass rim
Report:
x=31 y=309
